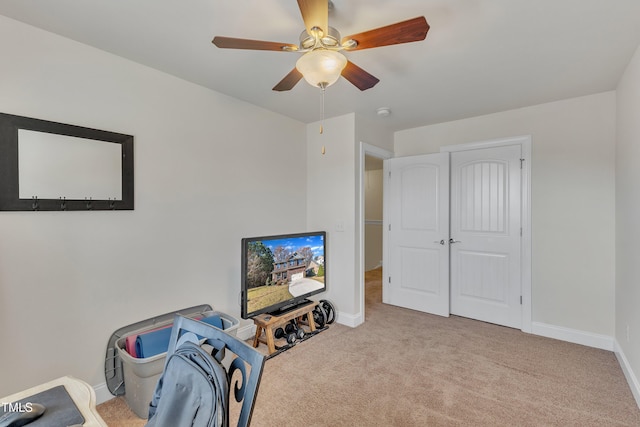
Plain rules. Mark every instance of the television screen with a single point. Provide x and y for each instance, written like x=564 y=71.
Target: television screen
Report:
x=279 y=272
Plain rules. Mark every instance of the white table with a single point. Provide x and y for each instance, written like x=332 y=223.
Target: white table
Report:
x=82 y=394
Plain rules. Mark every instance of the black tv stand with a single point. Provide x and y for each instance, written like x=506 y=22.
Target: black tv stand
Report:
x=288 y=308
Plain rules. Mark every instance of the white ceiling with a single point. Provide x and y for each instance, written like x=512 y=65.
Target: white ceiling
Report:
x=480 y=56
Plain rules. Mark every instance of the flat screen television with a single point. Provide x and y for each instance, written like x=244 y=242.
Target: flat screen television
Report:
x=280 y=272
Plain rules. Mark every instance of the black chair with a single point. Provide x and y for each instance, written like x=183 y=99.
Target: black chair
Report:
x=245 y=387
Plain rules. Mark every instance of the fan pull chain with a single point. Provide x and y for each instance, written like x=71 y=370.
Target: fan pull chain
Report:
x=322 y=120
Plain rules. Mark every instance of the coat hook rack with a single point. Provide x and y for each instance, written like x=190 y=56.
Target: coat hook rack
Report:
x=30 y=179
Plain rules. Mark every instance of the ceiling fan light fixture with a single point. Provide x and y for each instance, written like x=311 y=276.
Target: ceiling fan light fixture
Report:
x=320 y=39
x=321 y=67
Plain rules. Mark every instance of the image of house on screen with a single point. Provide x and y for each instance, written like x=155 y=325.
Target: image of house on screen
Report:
x=297 y=270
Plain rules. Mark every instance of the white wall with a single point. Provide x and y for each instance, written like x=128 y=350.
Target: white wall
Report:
x=628 y=222
x=331 y=204
x=573 y=188
x=204 y=178
x=333 y=181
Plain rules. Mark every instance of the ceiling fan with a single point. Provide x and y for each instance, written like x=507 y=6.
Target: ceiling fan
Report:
x=322 y=63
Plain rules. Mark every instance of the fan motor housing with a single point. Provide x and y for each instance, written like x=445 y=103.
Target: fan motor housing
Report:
x=329 y=40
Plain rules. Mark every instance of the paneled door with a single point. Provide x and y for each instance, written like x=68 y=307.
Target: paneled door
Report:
x=485 y=241
x=417 y=224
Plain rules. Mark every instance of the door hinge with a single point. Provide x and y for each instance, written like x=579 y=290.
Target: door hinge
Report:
x=520 y=299
x=520 y=231
x=389 y=279
x=389 y=227
x=521 y=162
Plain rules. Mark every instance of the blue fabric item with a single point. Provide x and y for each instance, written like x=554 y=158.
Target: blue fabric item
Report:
x=155 y=342
x=214 y=320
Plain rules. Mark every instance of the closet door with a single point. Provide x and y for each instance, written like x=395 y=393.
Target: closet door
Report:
x=486 y=235
x=417 y=229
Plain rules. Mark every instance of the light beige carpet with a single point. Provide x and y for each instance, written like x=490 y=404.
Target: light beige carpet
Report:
x=406 y=368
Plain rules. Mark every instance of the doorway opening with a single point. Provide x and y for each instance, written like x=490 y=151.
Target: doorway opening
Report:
x=373 y=225
x=370 y=218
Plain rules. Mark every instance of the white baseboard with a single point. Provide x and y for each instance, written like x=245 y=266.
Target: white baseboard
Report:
x=351 y=320
x=632 y=380
x=246 y=332
x=102 y=393
x=575 y=336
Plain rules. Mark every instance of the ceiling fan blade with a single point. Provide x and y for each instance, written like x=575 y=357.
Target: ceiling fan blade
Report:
x=315 y=13
x=233 y=43
x=289 y=81
x=412 y=30
x=359 y=77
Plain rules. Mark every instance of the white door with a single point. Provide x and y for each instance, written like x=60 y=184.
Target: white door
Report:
x=417 y=224
x=485 y=235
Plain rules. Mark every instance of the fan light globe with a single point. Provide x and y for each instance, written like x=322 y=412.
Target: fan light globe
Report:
x=321 y=67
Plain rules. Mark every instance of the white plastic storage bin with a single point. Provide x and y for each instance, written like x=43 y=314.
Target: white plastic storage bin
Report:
x=141 y=374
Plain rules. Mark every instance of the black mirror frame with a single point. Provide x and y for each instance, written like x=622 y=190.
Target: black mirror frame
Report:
x=9 y=177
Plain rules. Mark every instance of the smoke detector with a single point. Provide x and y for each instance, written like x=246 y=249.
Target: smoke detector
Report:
x=383 y=111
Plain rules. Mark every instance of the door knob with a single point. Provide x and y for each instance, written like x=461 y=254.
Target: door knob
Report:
x=452 y=241
x=441 y=241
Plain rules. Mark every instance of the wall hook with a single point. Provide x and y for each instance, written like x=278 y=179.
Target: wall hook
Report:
x=112 y=204
x=89 y=204
x=34 y=203
x=63 y=203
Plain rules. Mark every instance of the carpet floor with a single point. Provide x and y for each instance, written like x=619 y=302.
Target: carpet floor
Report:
x=407 y=368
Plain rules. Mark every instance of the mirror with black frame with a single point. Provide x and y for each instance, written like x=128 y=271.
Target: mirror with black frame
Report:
x=46 y=165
